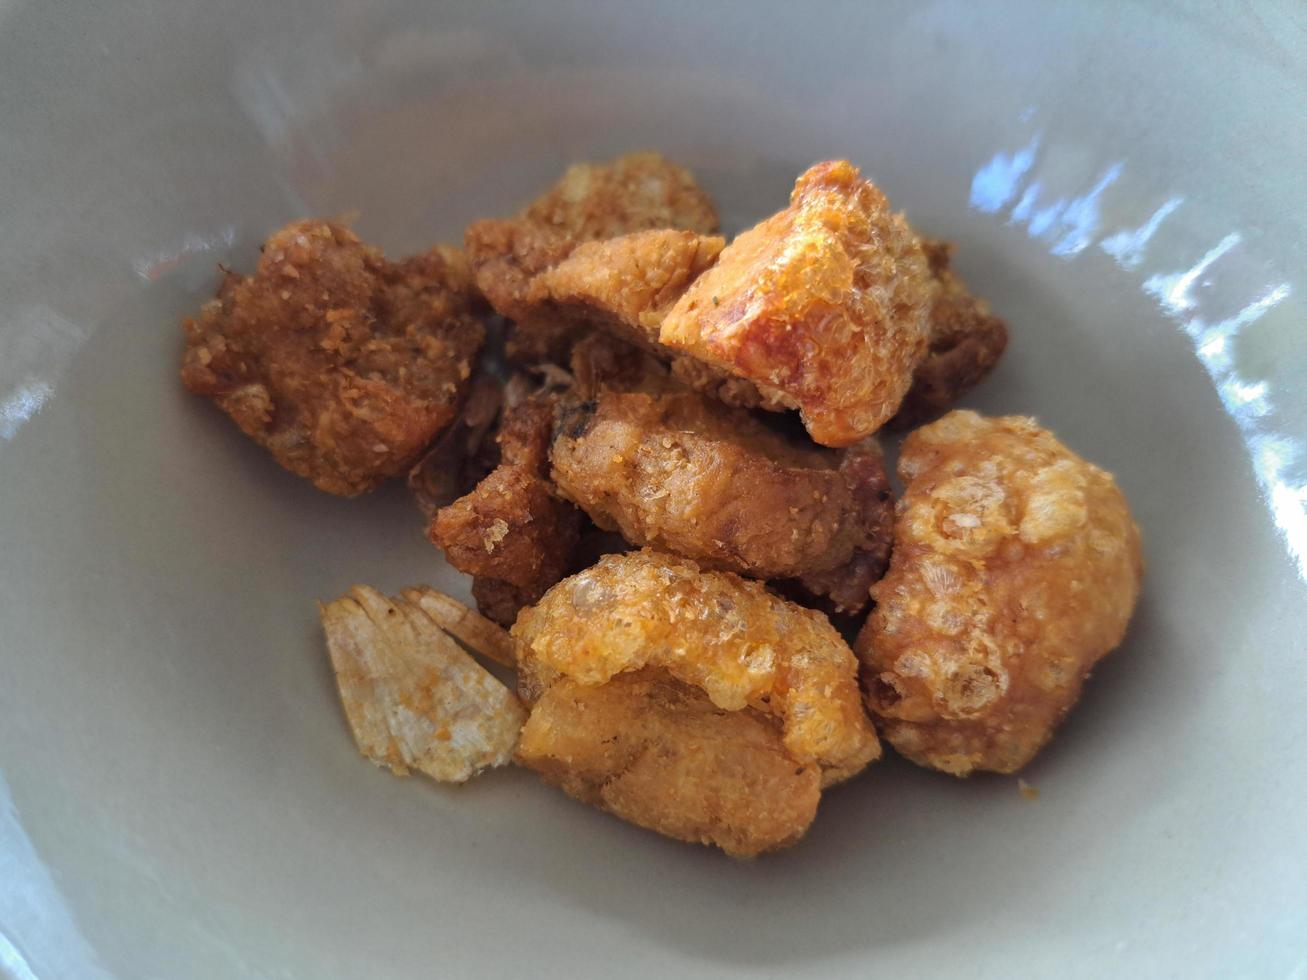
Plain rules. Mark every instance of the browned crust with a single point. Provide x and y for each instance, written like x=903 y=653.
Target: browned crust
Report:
x=513 y=534
x=965 y=343
x=344 y=366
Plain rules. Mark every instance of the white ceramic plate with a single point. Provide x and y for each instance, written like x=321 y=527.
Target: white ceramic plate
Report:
x=179 y=796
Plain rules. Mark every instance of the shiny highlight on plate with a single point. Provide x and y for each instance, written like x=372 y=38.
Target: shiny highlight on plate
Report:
x=31 y=905
x=1070 y=225
x=20 y=404
x=1128 y=245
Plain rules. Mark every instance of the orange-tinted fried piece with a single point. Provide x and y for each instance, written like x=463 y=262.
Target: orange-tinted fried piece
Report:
x=659 y=753
x=637 y=192
x=512 y=533
x=1016 y=567
x=727 y=636
x=625 y=284
x=823 y=306
x=341 y=364
x=965 y=341
x=682 y=473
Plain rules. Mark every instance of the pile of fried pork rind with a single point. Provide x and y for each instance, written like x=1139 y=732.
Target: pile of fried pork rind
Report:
x=667 y=488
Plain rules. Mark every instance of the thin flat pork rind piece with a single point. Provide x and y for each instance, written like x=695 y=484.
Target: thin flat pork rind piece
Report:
x=660 y=754
x=824 y=306
x=466 y=625
x=415 y=700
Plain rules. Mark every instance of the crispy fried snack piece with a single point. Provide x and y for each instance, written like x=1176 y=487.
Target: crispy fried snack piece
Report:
x=464 y=454
x=467 y=626
x=629 y=193
x=823 y=306
x=965 y=341
x=845 y=589
x=657 y=752
x=637 y=192
x=600 y=362
x=341 y=364
x=513 y=534
x=505 y=254
x=728 y=637
x=413 y=699
x=1016 y=566
x=624 y=285
x=682 y=473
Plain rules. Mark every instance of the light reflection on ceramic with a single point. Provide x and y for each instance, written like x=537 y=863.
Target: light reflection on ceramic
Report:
x=31 y=906
x=36 y=347
x=153 y=267
x=996 y=183
x=12 y=964
x=20 y=403
x=1128 y=246
x=1071 y=224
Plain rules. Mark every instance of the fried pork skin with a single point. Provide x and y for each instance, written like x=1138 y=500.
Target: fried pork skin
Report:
x=823 y=306
x=341 y=364
x=1016 y=566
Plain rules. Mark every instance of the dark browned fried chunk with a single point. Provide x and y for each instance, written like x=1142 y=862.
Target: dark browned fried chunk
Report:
x=965 y=341
x=464 y=454
x=672 y=469
x=341 y=364
x=845 y=590
x=512 y=533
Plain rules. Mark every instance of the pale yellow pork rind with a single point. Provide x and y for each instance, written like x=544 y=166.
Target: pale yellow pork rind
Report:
x=727 y=636
x=1015 y=568
x=658 y=753
x=693 y=703
x=415 y=700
